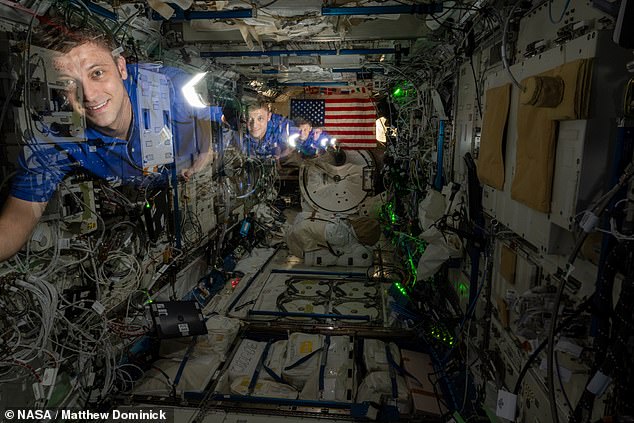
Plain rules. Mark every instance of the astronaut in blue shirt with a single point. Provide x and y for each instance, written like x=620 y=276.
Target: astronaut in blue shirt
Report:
x=99 y=87
x=310 y=141
x=267 y=132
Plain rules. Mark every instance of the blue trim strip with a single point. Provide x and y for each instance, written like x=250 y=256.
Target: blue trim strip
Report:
x=303 y=359
x=313 y=315
x=335 y=70
x=191 y=15
x=383 y=10
x=324 y=360
x=392 y=372
x=274 y=375
x=282 y=401
x=256 y=373
x=314 y=272
x=344 y=52
x=177 y=210
x=181 y=367
x=312 y=84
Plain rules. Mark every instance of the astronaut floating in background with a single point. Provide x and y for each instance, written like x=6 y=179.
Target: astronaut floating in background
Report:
x=310 y=141
x=267 y=132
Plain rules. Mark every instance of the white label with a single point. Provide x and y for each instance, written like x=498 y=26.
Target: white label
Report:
x=98 y=307
x=506 y=405
x=568 y=346
x=165 y=134
x=48 y=378
x=38 y=391
x=117 y=51
x=599 y=383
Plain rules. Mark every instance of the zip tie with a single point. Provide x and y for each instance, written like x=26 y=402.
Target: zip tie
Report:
x=117 y=52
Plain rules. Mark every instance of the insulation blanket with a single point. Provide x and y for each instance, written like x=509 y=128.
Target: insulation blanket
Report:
x=335 y=374
x=491 y=156
x=298 y=367
x=197 y=373
x=430 y=209
x=275 y=359
x=246 y=359
x=221 y=331
x=537 y=134
x=306 y=234
x=267 y=299
x=440 y=248
x=374 y=355
x=535 y=158
x=311 y=232
x=377 y=387
x=263 y=388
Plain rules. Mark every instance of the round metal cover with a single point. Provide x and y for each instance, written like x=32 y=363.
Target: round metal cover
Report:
x=357 y=308
x=355 y=290
x=308 y=288
x=333 y=183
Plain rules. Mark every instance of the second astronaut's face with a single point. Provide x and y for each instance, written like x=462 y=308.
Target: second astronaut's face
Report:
x=258 y=120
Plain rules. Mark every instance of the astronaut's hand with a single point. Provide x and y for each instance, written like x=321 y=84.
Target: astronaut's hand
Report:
x=186 y=174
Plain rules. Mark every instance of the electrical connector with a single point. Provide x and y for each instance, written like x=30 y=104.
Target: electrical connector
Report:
x=589 y=221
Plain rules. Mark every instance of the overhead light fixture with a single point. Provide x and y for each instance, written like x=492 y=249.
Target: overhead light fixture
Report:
x=192 y=96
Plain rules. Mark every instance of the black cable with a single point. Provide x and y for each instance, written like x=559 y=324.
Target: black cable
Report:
x=116 y=32
x=596 y=211
x=561 y=383
x=585 y=305
x=476 y=85
x=550 y=341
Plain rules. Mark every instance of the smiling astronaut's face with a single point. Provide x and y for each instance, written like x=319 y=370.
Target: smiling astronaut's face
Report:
x=94 y=87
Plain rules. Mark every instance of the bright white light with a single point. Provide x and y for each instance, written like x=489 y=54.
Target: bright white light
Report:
x=189 y=91
x=292 y=140
x=333 y=141
x=323 y=142
x=381 y=125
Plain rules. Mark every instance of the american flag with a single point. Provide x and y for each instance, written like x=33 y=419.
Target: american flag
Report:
x=350 y=119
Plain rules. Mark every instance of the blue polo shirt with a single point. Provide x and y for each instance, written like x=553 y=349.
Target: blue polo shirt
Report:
x=41 y=167
x=274 y=141
x=312 y=145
